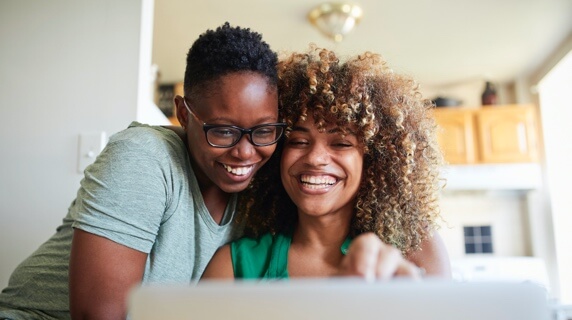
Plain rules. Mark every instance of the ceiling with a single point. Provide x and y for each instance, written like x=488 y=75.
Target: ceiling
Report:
x=438 y=42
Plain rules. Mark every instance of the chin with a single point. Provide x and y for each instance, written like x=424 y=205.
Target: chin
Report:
x=314 y=210
x=235 y=188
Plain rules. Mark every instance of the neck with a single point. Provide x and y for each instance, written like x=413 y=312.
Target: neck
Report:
x=315 y=248
x=216 y=201
x=321 y=231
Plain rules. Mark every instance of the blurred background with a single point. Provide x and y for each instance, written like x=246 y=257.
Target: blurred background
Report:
x=73 y=72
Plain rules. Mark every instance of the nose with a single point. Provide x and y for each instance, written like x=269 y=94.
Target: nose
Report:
x=318 y=155
x=244 y=149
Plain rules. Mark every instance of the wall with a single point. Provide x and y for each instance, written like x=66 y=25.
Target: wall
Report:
x=548 y=229
x=546 y=239
x=504 y=211
x=556 y=114
x=66 y=67
x=469 y=92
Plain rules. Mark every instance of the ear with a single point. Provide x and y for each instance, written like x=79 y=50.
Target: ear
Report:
x=182 y=112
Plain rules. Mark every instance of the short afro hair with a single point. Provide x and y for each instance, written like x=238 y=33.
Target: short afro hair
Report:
x=226 y=50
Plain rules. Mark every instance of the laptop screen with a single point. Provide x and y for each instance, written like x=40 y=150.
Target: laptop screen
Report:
x=341 y=299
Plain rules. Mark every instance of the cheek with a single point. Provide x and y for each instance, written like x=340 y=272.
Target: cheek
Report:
x=357 y=170
x=207 y=157
x=288 y=159
x=284 y=167
x=266 y=152
x=200 y=148
x=286 y=163
x=196 y=139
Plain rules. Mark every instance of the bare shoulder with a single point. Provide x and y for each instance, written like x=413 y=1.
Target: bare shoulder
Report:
x=432 y=257
x=220 y=266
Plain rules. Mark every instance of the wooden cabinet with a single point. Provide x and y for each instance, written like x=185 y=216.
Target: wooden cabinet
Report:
x=456 y=135
x=495 y=134
x=507 y=134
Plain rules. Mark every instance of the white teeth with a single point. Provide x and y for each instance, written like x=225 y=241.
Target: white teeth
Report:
x=317 y=182
x=239 y=171
x=316 y=186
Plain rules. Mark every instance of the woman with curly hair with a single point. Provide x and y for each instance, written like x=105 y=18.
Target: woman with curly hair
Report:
x=359 y=179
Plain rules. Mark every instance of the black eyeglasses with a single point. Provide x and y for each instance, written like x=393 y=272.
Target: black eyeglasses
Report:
x=226 y=136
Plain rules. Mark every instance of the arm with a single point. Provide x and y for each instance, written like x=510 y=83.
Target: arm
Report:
x=220 y=266
x=117 y=217
x=100 y=276
x=433 y=257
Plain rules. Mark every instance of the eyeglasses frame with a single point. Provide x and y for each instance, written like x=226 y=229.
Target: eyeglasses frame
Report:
x=243 y=131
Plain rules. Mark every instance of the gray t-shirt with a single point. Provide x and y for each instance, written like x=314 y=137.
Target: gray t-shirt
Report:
x=141 y=192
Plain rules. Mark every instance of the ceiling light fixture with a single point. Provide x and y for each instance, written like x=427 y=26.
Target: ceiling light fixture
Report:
x=335 y=19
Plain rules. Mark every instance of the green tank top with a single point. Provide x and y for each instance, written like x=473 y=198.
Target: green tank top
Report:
x=265 y=257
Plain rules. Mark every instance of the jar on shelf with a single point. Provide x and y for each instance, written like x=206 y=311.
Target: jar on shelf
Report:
x=489 y=96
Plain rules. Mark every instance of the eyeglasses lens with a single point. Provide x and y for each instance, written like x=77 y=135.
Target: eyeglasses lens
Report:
x=228 y=136
x=266 y=135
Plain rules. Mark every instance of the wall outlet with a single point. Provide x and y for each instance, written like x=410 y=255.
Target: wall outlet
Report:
x=90 y=145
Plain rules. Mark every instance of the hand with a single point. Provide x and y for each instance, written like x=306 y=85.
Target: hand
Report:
x=370 y=258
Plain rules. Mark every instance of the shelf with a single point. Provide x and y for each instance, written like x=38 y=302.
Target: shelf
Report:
x=515 y=176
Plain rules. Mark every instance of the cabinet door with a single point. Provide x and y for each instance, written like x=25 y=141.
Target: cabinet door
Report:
x=456 y=135
x=507 y=134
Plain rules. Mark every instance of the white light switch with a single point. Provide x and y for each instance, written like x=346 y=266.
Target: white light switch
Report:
x=90 y=145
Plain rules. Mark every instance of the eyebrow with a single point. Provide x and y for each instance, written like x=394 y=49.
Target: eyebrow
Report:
x=268 y=119
x=331 y=131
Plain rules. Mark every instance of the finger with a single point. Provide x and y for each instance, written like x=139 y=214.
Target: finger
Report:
x=389 y=259
x=364 y=261
x=362 y=257
x=410 y=270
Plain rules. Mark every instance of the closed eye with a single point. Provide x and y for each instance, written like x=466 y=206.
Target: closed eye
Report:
x=265 y=132
x=297 y=142
x=222 y=132
x=342 y=145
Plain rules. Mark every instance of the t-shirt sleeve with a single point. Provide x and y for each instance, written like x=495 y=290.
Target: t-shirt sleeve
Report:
x=124 y=194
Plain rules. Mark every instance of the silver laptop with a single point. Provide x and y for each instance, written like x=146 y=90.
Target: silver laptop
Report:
x=341 y=299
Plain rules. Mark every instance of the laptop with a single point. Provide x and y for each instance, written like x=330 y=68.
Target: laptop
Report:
x=337 y=299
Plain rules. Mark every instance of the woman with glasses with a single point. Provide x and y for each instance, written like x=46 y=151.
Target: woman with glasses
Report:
x=156 y=203
x=354 y=188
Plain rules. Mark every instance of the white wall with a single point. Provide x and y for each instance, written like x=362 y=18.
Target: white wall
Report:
x=556 y=115
x=504 y=211
x=469 y=92
x=66 y=67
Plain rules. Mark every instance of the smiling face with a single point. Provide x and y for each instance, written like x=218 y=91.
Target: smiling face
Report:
x=242 y=99
x=321 y=171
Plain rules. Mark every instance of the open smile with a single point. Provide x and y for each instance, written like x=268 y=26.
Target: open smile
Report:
x=238 y=170
x=317 y=182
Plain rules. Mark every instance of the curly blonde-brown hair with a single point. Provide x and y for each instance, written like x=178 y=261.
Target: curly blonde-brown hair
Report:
x=398 y=195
